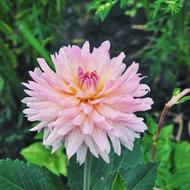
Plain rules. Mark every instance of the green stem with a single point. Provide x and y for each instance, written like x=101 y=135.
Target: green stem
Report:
x=87 y=170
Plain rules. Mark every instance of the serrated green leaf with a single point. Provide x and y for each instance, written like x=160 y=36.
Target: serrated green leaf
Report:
x=182 y=155
x=16 y=175
x=142 y=176
x=38 y=154
x=119 y=183
x=163 y=152
x=180 y=176
x=151 y=123
x=102 y=175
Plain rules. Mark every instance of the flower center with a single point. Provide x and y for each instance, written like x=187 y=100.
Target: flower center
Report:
x=87 y=79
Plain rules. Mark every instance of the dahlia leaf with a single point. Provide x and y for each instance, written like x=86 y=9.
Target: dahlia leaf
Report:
x=181 y=167
x=102 y=175
x=56 y=163
x=151 y=123
x=142 y=176
x=119 y=183
x=17 y=175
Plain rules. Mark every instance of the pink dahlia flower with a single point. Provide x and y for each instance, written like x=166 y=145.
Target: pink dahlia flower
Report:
x=88 y=102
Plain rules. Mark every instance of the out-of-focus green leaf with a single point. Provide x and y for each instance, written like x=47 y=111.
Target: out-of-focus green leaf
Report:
x=142 y=176
x=123 y=3
x=146 y=5
x=5 y=5
x=37 y=154
x=4 y=48
x=39 y=136
x=16 y=175
x=157 y=6
x=104 y=8
x=184 y=99
x=1 y=83
x=35 y=43
x=6 y=29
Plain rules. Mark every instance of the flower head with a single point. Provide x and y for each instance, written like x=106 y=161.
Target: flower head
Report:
x=88 y=102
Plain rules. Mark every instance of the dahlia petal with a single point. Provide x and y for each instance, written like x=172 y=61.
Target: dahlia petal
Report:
x=101 y=140
x=96 y=117
x=86 y=47
x=39 y=126
x=81 y=154
x=70 y=112
x=56 y=146
x=104 y=125
x=79 y=119
x=65 y=129
x=87 y=126
x=105 y=156
x=51 y=138
x=116 y=144
x=85 y=108
x=90 y=143
x=44 y=66
x=108 y=112
x=142 y=90
x=75 y=139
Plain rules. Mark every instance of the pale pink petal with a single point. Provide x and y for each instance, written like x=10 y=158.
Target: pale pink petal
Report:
x=75 y=139
x=81 y=154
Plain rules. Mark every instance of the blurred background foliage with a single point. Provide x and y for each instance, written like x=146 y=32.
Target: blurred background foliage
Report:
x=156 y=33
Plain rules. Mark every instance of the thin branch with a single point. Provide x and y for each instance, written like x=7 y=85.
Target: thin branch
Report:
x=164 y=112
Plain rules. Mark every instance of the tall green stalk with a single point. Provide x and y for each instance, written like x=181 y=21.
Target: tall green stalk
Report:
x=87 y=171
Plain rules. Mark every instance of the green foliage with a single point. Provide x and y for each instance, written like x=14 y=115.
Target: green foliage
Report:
x=35 y=43
x=119 y=183
x=168 y=23
x=107 y=176
x=183 y=99
x=1 y=83
x=27 y=29
x=102 y=7
x=176 y=91
x=166 y=20
x=173 y=157
x=180 y=178
x=38 y=154
x=16 y=175
x=142 y=176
